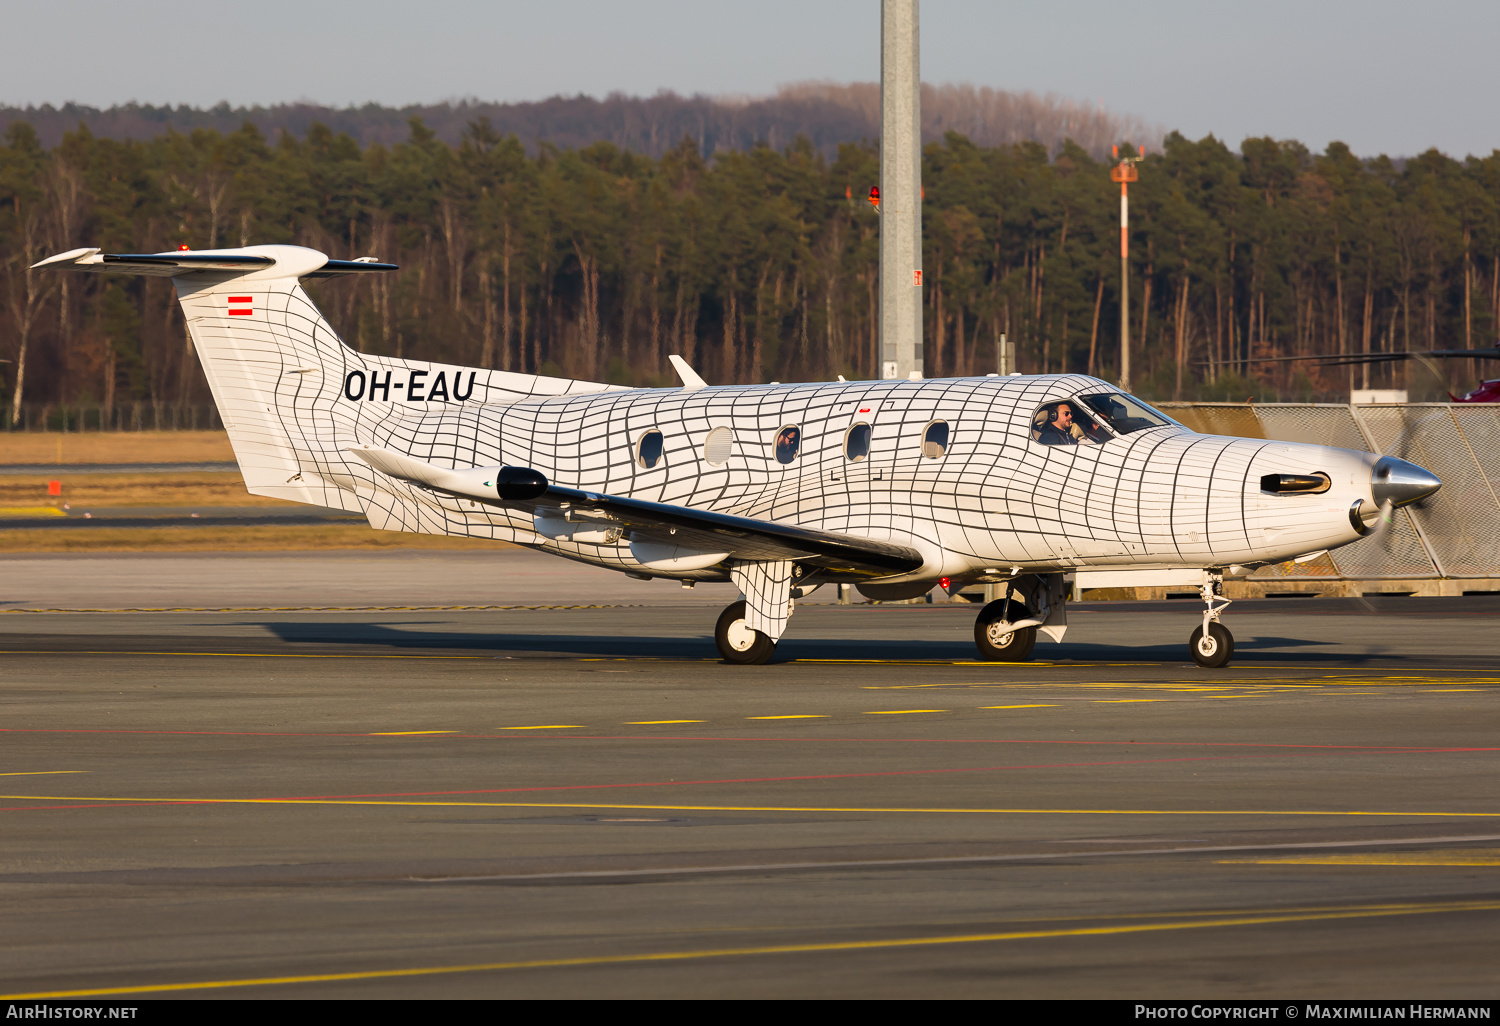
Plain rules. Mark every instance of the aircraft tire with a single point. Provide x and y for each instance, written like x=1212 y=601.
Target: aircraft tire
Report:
x=995 y=647
x=737 y=643
x=1212 y=651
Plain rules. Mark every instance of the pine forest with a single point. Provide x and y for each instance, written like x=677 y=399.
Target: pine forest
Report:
x=761 y=264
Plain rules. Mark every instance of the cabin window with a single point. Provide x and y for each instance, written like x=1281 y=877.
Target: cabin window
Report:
x=717 y=446
x=857 y=443
x=935 y=440
x=1065 y=422
x=648 y=450
x=1123 y=413
x=788 y=443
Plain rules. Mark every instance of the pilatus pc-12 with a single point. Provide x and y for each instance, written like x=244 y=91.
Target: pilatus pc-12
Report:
x=892 y=486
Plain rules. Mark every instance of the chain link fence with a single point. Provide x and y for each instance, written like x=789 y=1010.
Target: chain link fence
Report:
x=1454 y=534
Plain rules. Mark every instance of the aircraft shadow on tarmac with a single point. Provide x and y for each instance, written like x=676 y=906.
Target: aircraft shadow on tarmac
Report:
x=409 y=636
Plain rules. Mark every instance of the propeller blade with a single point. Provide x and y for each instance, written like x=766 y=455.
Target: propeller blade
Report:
x=1383 y=522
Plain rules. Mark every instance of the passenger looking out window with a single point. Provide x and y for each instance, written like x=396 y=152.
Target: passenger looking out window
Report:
x=788 y=441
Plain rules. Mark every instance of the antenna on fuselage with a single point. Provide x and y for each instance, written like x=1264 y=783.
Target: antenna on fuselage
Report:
x=690 y=378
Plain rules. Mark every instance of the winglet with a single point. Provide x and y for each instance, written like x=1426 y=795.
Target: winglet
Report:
x=690 y=378
x=71 y=257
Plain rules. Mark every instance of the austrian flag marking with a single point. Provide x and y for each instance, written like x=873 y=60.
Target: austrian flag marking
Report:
x=237 y=310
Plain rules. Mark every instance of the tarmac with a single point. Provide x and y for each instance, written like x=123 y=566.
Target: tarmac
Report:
x=323 y=776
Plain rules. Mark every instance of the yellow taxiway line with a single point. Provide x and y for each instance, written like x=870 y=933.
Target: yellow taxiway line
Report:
x=856 y=810
x=40 y=773
x=1206 y=923
x=1441 y=857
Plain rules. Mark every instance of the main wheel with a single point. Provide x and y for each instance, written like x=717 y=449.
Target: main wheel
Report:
x=1213 y=649
x=1003 y=644
x=737 y=641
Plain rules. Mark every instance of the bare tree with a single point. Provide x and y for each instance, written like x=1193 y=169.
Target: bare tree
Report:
x=26 y=292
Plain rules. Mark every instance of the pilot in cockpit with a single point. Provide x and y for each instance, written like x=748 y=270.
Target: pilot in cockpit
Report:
x=1061 y=424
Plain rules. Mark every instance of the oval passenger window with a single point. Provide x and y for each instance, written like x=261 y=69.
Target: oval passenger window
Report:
x=788 y=442
x=717 y=445
x=935 y=439
x=648 y=449
x=857 y=443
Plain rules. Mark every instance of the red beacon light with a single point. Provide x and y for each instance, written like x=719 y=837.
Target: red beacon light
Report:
x=182 y=248
x=875 y=196
x=944 y=583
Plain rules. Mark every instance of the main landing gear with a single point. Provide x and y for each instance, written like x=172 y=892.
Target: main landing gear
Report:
x=998 y=637
x=1211 y=644
x=738 y=642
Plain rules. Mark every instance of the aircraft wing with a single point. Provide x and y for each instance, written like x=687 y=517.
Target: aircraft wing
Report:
x=706 y=531
x=741 y=537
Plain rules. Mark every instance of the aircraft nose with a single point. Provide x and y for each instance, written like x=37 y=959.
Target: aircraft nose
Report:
x=1400 y=482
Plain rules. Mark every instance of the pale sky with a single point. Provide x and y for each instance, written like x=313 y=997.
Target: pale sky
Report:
x=1383 y=76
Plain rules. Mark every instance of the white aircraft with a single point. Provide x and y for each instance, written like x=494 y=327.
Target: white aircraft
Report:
x=892 y=486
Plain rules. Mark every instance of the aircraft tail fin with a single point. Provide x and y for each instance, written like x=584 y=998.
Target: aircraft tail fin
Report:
x=292 y=396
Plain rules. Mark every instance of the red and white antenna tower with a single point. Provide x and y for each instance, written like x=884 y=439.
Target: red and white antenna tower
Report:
x=1125 y=172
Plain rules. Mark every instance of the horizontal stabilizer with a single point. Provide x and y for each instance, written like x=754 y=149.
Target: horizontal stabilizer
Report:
x=237 y=261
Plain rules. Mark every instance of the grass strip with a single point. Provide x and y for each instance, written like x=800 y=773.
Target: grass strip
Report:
x=269 y=538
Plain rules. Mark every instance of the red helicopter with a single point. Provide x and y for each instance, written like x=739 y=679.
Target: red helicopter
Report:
x=1487 y=392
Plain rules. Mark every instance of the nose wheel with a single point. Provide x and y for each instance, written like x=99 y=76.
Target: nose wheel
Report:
x=738 y=642
x=1212 y=648
x=1211 y=644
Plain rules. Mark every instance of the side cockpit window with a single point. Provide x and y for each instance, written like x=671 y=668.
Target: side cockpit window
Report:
x=1066 y=423
x=1123 y=413
x=648 y=450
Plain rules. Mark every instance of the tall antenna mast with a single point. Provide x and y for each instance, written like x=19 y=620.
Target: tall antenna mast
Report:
x=1125 y=172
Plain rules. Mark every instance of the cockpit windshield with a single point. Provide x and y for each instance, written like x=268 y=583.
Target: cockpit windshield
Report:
x=1122 y=413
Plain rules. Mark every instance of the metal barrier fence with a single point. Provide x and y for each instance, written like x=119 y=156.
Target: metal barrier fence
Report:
x=1453 y=534
x=121 y=417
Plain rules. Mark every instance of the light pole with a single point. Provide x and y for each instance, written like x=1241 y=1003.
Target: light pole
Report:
x=900 y=193
x=1125 y=172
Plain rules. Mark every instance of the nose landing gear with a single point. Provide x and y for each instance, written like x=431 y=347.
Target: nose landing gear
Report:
x=1211 y=644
